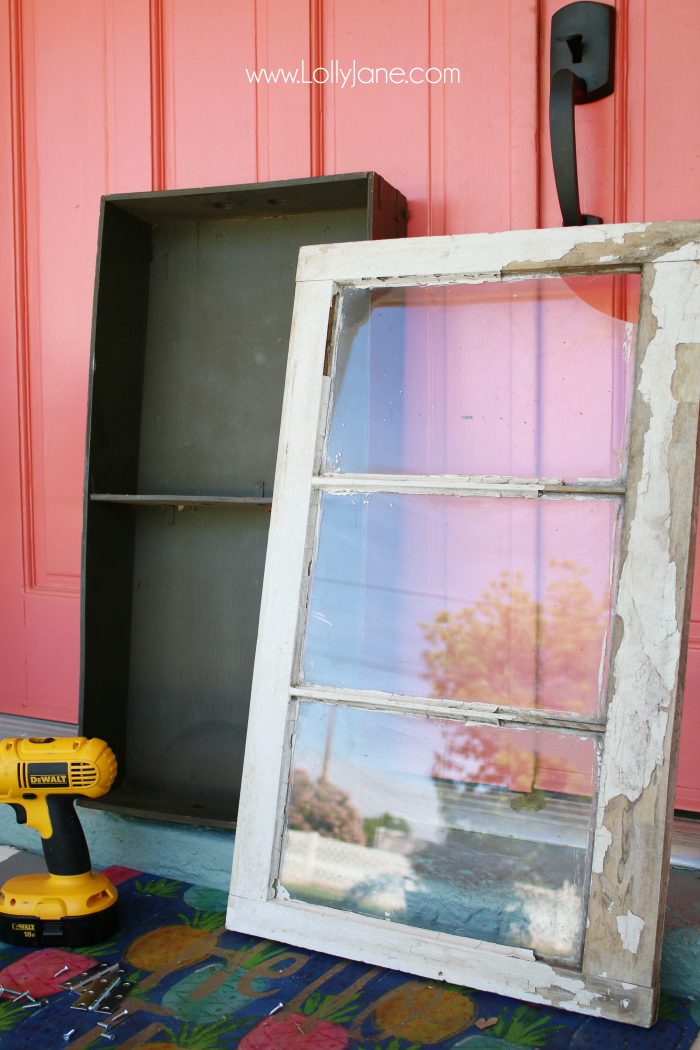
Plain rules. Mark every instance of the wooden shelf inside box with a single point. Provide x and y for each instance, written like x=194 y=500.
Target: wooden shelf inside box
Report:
x=193 y=305
x=150 y=500
x=137 y=800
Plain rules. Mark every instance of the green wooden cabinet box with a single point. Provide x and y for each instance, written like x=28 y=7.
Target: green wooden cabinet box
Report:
x=193 y=305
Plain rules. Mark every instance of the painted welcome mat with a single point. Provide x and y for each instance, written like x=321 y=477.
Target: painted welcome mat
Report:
x=201 y=988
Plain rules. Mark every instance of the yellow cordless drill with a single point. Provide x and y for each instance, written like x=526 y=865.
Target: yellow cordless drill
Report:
x=71 y=905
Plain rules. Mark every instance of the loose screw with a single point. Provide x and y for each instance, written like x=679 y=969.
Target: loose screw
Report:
x=122 y=1013
x=24 y=995
x=114 y=1019
x=33 y=1006
x=68 y=1035
x=108 y=1035
x=62 y=970
x=275 y=1009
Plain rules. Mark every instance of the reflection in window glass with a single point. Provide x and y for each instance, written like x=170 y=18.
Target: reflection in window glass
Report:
x=474 y=831
x=528 y=377
x=500 y=601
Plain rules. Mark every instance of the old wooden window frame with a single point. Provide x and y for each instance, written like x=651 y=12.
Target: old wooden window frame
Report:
x=618 y=978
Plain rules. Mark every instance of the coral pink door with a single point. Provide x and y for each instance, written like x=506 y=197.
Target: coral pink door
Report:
x=104 y=96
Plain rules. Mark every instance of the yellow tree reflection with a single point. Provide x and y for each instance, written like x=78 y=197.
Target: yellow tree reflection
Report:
x=511 y=649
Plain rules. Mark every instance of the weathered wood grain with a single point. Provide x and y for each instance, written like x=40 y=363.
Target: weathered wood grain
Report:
x=443 y=957
x=630 y=858
x=499 y=254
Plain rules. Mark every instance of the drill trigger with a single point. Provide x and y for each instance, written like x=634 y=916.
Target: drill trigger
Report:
x=20 y=812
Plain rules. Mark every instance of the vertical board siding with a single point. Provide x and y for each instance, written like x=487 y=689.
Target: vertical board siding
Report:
x=380 y=127
x=77 y=105
x=116 y=95
x=66 y=167
x=209 y=106
x=284 y=114
x=12 y=647
x=488 y=152
x=463 y=153
x=664 y=128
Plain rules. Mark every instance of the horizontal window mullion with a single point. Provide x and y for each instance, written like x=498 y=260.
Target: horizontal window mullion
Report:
x=460 y=710
x=448 y=484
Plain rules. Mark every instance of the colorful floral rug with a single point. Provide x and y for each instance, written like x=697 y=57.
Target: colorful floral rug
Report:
x=198 y=987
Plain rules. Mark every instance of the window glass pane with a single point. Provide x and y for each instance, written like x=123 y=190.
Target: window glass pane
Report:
x=502 y=601
x=527 y=377
x=474 y=831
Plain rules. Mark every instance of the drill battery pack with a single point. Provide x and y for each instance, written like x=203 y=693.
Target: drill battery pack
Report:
x=71 y=911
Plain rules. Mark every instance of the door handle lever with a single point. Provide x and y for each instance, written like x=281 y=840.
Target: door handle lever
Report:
x=582 y=67
x=566 y=90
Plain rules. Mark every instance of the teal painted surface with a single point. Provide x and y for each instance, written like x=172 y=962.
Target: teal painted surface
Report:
x=680 y=960
x=203 y=856
x=680 y=964
x=177 y=851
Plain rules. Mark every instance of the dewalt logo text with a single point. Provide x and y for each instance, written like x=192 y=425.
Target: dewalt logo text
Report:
x=53 y=779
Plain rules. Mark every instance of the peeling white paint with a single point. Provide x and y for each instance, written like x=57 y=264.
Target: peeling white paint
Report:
x=601 y=844
x=461 y=257
x=630 y=928
x=646 y=663
x=687 y=252
x=580 y=1004
x=583 y=999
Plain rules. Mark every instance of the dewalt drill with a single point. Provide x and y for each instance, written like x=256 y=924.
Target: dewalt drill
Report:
x=71 y=905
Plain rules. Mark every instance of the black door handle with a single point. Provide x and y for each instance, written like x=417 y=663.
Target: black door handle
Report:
x=566 y=90
x=582 y=70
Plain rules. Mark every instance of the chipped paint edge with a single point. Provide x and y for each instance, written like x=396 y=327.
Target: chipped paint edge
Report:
x=491 y=256
x=630 y=928
x=628 y=881
x=647 y=571
x=495 y=968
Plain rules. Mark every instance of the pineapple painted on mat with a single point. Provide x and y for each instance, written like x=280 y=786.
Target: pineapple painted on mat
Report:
x=420 y=1012
x=173 y=947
